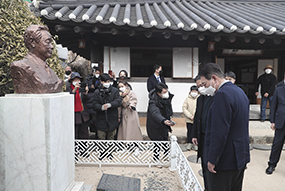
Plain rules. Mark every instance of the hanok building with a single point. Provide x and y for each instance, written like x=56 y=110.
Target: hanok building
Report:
x=180 y=35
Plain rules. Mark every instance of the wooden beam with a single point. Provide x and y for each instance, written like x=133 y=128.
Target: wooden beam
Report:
x=201 y=37
x=79 y=29
x=217 y=38
x=247 y=39
x=114 y=31
x=167 y=35
x=185 y=36
x=261 y=40
x=96 y=30
x=232 y=39
x=277 y=41
x=61 y=28
x=131 y=32
x=148 y=34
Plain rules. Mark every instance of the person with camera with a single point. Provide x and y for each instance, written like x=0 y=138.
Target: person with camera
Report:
x=129 y=128
x=158 y=122
x=106 y=101
x=81 y=97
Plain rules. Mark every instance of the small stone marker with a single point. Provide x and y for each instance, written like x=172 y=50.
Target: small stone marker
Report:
x=261 y=147
x=109 y=182
x=193 y=158
x=200 y=172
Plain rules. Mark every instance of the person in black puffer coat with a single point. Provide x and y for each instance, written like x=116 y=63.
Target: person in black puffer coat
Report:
x=106 y=101
x=158 y=116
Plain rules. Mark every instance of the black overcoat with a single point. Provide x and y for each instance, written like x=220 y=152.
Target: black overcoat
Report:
x=156 y=129
x=107 y=120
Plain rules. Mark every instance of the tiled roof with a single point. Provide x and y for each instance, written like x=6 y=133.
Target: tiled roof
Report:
x=214 y=16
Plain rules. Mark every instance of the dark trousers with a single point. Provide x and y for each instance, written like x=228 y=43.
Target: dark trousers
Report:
x=81 y=131
x=204 y=167
x=189 y=132
x=225 y=180
x=277 y=146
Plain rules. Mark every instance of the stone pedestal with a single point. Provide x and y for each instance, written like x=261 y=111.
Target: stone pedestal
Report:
x=37 y=142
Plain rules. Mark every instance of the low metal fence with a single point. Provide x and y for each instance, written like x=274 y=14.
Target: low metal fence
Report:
x=165 y=153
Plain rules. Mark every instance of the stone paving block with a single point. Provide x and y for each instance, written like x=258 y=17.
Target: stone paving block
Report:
x=109 y=182
x=261 y=147
x=193 y=158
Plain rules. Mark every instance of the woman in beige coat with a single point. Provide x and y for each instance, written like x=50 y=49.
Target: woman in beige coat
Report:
x=129 y=128
x=189 y=108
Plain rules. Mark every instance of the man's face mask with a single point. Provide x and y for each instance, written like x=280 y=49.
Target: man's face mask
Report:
x=268 y=71
x=165 y=96
x=210 y=90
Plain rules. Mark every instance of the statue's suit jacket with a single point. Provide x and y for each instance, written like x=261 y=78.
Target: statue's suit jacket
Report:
x=227 y=136
x=277 y=108
x=33 y=76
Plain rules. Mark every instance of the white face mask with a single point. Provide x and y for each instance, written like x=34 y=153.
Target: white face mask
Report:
x=202 y=90
x=106 y=85
x=97 y=75
x=268 y=71
x=122 y=89
x=210 y=90
x=74 y=83
x=194 y=94
x=165 y=96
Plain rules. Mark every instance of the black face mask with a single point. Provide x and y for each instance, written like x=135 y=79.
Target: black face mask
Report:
x=67 y=72
x=122 y=77
x=160 y=72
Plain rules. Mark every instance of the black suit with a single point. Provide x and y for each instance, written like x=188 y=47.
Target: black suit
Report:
x=152 y=81
x=197 y=131
x=277 y=116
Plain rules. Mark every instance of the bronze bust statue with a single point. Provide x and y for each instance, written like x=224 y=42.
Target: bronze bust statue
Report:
x=32 y=75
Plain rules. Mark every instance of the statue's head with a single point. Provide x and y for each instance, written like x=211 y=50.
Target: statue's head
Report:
x=38 y=40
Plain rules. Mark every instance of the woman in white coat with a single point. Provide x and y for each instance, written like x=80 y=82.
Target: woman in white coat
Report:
x=189 y=108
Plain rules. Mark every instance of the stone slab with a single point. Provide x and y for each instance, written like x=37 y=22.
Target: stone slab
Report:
x=109 y=182
x=261 y=147
x=200 y=172
x=36 y=142
x=193 y=159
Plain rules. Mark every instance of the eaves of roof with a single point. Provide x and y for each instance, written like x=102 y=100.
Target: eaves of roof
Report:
x=262 y=17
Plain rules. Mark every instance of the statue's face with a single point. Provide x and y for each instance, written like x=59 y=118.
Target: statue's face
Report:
x=44 y=47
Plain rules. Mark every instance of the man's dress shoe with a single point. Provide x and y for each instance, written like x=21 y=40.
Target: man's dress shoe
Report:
x=270 y=170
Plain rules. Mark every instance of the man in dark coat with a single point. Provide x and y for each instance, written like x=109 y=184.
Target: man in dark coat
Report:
x=159 y=111
x=106 y=101
x=200 y=123
x=226 y=149
x=277 y=119
x=155 y=78
x=267 y=82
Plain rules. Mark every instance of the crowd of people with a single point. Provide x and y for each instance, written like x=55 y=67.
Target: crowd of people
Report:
x=216 y=113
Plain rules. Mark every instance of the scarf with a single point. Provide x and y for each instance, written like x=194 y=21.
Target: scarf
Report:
x=125 y=97
x=78 y=107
